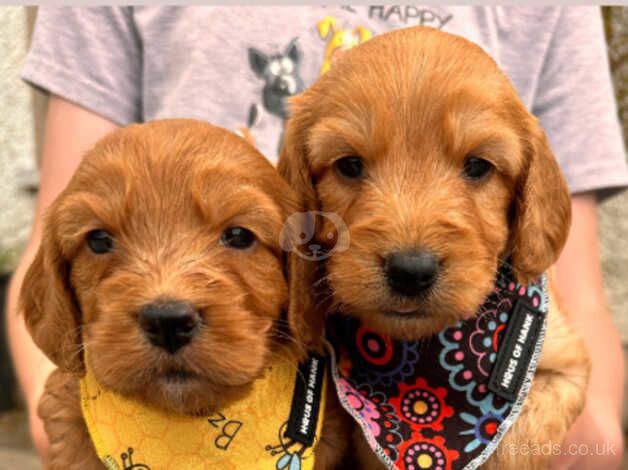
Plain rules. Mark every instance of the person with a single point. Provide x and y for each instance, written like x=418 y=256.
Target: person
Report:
x=237 y=66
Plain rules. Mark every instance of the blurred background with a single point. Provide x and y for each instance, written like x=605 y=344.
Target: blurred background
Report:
x=20 y=137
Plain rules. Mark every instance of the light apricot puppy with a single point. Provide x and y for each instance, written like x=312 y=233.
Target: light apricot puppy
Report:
x=421 y=145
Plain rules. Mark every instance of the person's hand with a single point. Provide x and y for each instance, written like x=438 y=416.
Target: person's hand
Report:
x=593 y=442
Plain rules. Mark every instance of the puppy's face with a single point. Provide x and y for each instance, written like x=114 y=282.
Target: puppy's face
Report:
x=420 y=144
x=162 y=257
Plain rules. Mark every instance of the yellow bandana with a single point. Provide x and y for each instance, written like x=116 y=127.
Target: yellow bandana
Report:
x=252 y=433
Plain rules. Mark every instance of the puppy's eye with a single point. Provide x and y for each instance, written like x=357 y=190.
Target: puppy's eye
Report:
x=476 y=168
x=99 y=241
x=237 y=237
x=351 y=167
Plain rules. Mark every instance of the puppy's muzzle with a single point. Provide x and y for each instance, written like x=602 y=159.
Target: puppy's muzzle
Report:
x=169 y=325
x=411 y=273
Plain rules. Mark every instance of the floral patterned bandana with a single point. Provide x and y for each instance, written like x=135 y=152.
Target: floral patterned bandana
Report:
x=445 y=402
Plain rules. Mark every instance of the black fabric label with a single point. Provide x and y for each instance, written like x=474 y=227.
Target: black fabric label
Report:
x=306 y=400
x=516 y=350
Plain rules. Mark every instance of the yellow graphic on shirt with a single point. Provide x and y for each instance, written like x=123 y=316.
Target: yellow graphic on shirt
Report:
x=247 y=434
x=339 y=39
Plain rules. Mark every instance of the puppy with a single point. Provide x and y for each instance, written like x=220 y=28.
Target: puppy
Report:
x=159 y=288
x=451 y=197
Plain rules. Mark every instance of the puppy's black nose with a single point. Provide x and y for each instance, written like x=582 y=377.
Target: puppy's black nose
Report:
x=410 y=273
x=169 y=325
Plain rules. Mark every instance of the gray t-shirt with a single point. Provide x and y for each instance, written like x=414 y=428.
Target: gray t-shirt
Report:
x=235 y=66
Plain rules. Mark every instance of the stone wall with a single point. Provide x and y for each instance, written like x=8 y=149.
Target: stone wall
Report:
x=613 y=213
x=17 y=138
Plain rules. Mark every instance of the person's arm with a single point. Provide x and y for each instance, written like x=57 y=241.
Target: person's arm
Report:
x=574 y=81
x=70 y=131
x=579 y=282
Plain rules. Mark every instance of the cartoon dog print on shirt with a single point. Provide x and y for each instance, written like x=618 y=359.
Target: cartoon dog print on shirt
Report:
x=280 y=73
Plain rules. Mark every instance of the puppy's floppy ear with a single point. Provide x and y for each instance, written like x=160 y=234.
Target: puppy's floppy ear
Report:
x=542 y=210
x=305 y=317
x=49 y=306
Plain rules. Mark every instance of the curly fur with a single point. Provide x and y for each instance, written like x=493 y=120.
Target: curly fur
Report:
x=414 y=104
x=166 y=191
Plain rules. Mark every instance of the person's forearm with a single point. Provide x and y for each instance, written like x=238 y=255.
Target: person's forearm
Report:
x=606 y=385
x=31 y=365
x=579 y=281
x=26 y=356
x=597 y=433
x=70 y=131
